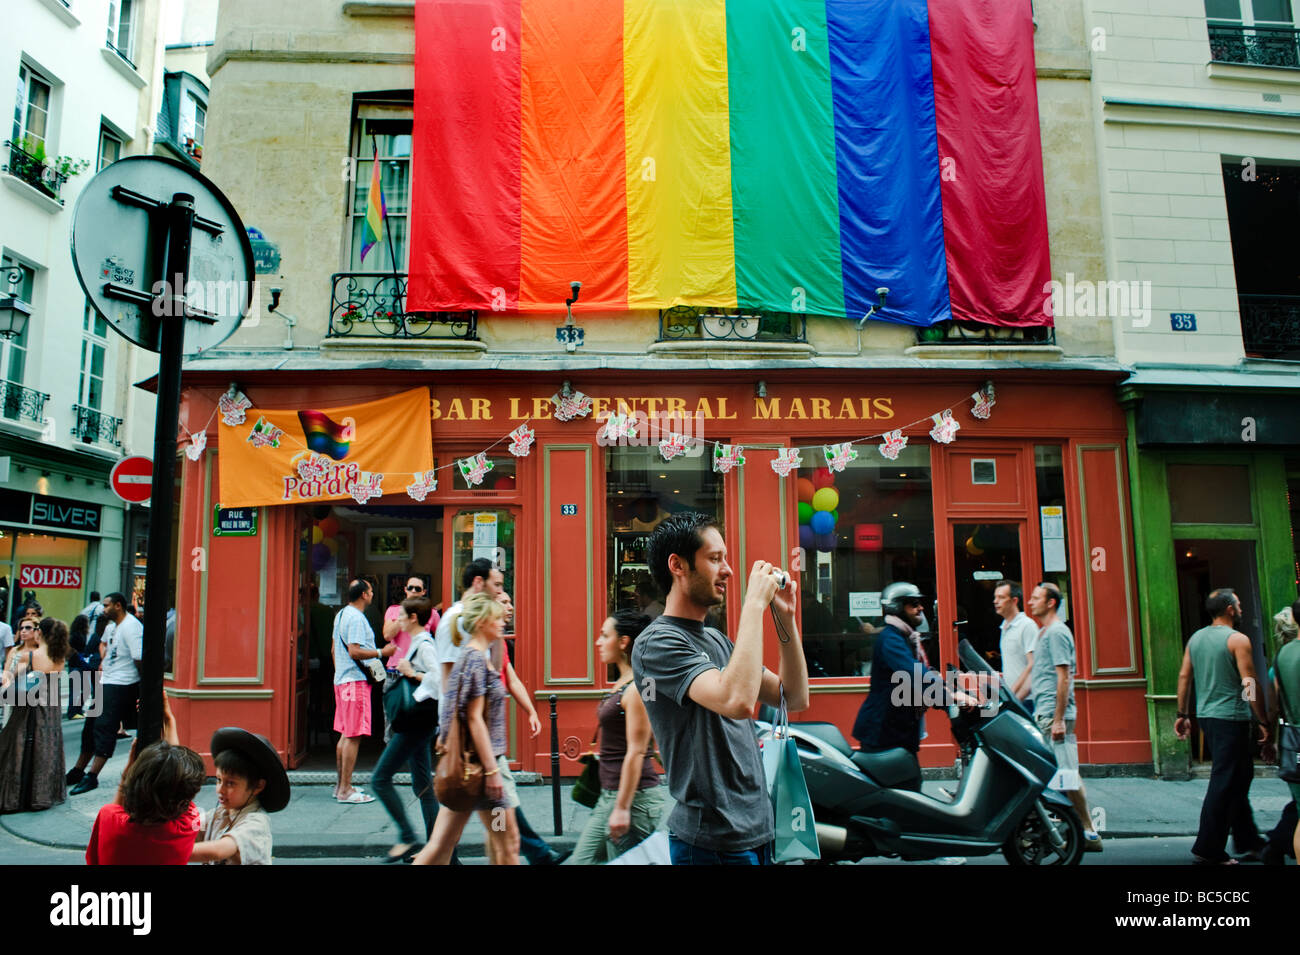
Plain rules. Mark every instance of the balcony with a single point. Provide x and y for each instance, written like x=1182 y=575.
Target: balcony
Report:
x=685 y=323
x=1270 y=325
x=95 y=427
x=1254 y=46
x=36 y=172
x=18 y=403
x=373 y=305
x=974 y=333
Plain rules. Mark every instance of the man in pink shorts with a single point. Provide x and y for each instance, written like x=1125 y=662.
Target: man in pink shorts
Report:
x=353 y=641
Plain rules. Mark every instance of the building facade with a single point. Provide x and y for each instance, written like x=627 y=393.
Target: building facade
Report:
x=1036 y=490
x=1198 y=132
x=85 y=97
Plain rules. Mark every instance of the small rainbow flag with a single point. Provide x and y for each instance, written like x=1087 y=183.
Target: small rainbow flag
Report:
x=372 y=230
x=325 y=436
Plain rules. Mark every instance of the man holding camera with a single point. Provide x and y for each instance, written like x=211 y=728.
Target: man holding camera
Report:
x=700 y=691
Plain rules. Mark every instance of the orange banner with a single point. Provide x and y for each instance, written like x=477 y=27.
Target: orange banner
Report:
x=306 y=455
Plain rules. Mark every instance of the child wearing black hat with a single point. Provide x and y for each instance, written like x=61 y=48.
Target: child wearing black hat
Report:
x=251 y=782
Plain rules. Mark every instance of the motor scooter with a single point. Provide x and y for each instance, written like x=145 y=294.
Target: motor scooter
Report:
x=863 y=806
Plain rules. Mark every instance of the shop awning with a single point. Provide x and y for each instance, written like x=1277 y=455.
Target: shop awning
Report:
x=782 y=155
x=1234 y=407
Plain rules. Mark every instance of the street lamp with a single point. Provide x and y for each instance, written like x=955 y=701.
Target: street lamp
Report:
x=14 y=312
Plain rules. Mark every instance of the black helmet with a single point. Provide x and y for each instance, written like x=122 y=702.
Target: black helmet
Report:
x=895 y=595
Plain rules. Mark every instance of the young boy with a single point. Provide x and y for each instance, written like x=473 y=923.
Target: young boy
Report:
x=251 y=782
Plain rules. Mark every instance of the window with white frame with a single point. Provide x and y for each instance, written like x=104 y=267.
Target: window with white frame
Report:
x=110 y=148
x=121 y=26
x=1255 y=32
x=193 y=119
x=13 y=351
x=31 y=110
x=94 y=352
x=388 y=129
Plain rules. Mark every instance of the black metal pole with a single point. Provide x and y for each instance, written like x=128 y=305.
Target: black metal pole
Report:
x=555 y=766
x=176 y=272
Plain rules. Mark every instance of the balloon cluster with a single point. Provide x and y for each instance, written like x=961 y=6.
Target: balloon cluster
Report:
x=324 y=542
x=818 y=500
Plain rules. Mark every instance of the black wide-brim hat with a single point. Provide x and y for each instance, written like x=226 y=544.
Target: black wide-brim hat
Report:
x=275 y=794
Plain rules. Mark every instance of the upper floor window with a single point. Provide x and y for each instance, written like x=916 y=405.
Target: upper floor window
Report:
x=94 y=350
x=1257 y=32
x=110 y=149
x=386 y=129
x=31 y=111
x=121 y=26
x=193 y=119
x=13 y=351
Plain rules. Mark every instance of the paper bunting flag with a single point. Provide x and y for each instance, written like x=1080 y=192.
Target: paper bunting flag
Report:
x=424 y=484
x=473 y=469
x=945 y=427
x=265 y=434
x=521 y=439
x=838 y=456
x=570 y=406
x=984 y=401
x=232 y=408
x=673 y=445
x=727 y=456
x=198 y=441
x=369 y=485
x=312 y=467
x=616 y=426
x=786 y=460
x=894 y=445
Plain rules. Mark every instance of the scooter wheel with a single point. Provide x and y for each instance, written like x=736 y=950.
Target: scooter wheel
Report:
x=1030 y=845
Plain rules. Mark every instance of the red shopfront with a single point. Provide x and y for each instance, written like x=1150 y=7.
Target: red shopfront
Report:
x=1038 y=490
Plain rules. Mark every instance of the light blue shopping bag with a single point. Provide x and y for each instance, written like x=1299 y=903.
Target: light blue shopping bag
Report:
x=796 y=830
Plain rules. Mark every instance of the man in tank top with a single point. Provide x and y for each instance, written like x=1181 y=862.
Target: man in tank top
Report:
x=1218 y=660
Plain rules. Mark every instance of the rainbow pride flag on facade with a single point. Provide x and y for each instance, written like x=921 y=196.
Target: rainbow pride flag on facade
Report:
x=372 y=228
x=785 y=155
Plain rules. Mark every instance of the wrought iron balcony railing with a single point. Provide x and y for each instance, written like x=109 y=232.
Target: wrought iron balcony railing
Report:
x=1270 y=324
x=95 y=427
x=971 y=333
x=19 y=403
x=1256 y=46
x=373 y=305
x=35 y=172
x=687 y=323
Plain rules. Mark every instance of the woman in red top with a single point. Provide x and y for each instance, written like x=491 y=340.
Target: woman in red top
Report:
x=154 y=820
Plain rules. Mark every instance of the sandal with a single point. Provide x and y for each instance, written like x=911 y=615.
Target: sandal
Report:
x=408 y=852
x=1201 y=861
x=355 y=798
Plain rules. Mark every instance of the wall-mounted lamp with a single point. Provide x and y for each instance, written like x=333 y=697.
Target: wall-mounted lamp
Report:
x=289 y=320
x=14 y=312
x=569 y=334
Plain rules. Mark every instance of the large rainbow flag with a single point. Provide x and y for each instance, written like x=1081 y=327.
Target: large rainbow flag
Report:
x=786 y=155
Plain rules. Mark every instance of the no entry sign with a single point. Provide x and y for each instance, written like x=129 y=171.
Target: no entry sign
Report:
x=132 y=479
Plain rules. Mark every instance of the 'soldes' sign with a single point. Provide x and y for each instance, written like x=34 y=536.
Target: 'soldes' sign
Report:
x=50 y=577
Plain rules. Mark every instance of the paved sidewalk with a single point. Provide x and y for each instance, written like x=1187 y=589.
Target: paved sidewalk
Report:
x=315 y=825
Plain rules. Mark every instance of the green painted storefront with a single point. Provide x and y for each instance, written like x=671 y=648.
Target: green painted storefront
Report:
x=1214 y=474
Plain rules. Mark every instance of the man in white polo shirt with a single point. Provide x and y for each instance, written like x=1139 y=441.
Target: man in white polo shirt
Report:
x=119 y=684
x=1019 y=634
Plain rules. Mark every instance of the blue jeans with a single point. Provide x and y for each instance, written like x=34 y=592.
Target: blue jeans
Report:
x=683 y=853
x=412 y=749
x=532 y=846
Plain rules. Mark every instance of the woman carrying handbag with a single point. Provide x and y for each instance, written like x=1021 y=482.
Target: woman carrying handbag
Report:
x=472 y=745
x=409 y=726
x=631 y=800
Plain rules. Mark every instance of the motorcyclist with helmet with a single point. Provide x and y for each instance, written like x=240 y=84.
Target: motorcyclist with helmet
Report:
x=901 y=679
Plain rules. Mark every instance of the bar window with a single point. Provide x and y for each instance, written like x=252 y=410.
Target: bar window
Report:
x=867 y=526
x=641 y=490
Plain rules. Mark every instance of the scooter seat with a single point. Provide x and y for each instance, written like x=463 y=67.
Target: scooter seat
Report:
x=828 y=733
x=892 y=768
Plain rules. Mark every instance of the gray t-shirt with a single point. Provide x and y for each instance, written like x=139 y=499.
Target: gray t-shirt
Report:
x=715 y=772
x=1055 y=648
x=350 y=626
